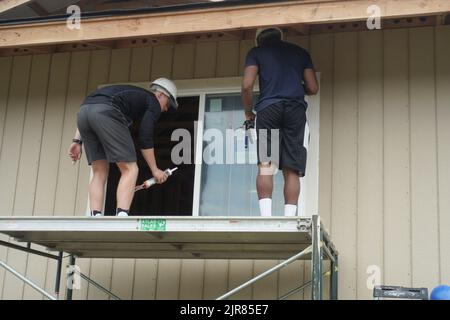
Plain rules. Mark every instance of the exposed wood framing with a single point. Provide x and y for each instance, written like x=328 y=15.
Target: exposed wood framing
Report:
x=214 y=20
x=411 y=22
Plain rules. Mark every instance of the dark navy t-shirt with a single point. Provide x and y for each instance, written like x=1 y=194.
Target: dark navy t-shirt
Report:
x=280 y=68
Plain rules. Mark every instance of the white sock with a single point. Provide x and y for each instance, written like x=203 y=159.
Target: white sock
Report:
x=290 y=210
x=265 y=207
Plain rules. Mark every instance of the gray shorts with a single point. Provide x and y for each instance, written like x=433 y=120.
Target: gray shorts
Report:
x=105 y=134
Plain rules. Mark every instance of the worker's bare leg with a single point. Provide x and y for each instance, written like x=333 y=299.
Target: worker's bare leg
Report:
x=264 y=181
x=291 y=191
x=100 y=170
x=125 y=189
x=264 y=187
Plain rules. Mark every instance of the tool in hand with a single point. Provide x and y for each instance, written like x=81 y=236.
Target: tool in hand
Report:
x=148 y=183
x=249 y=126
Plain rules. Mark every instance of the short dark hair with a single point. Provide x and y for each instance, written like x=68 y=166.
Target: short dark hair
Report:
x=268 y=36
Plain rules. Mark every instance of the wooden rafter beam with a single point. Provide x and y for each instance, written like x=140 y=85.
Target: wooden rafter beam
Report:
x=215 y=20
x=5 y=5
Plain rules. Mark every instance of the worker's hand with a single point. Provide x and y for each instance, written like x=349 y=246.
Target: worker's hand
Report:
x=159 y=176
x=75 y=151
x=249 y=115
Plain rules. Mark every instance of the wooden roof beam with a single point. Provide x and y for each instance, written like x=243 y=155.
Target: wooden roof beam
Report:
x=214 y=20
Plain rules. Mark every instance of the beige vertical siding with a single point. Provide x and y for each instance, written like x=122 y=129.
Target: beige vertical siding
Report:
x=384 y=161
x=442 y=63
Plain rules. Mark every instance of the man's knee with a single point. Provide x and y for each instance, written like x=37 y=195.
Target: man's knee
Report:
x=267 y=169
x=130 y=168
x=100 y=169
x=288 y=172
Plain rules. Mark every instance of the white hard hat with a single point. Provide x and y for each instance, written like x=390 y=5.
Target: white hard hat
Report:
x=167 y=87
x=261 y=30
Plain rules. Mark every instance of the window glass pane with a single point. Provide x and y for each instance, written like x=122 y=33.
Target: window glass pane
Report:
x=230 y=189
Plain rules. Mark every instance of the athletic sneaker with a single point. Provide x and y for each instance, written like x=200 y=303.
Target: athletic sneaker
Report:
x=96 y=214
x=122 y=214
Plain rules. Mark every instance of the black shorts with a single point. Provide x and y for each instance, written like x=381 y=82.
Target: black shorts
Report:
x=105 y=134
x=288 y=150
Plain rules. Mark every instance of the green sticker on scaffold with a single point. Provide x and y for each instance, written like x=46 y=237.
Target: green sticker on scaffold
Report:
x=153 y=225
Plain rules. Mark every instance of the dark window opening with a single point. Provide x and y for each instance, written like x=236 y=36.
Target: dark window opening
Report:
x=175 y=196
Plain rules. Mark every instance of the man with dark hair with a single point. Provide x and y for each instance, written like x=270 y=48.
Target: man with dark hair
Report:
x=102 y=126
x=286 y=75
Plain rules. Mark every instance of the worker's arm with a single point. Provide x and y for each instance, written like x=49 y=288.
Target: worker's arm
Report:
x=248 y=82
x=75 y=149
x=311 y=86
x=149 y=156
x=146 y=141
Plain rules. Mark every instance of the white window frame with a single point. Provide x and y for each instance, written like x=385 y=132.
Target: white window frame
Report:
x=232 y=85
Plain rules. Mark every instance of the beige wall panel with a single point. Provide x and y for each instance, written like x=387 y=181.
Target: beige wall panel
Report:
x=66 y=191
x=32 y=135
x=216 y=278
x=205 y=59
x=168 y=282
x=191 y=279
x=6 y=67
x=442 y=51
x=239 y=272
x=227 y=59
x=345 y=117
x=302 y=41
x=370 y=158
x=267 y=288
x=397 y=201
x=49 y=154
x=162 y=60
x=183 y=61
x=9 y=165
x=425 y=249
x=145 y=277
x=141 y=59
x=29 y=160
x=291 y=277
x=66 y=187
x=322 y=54
x=321 y=50
x=52 y=135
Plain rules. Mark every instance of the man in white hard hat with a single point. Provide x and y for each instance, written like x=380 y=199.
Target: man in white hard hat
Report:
x=286 y=75
x=103 y=127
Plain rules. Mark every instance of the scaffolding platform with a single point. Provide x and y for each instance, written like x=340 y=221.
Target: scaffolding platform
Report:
x=270 y=238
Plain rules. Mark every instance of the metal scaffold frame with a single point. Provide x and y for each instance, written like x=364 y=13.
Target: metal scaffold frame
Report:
x=281 y=238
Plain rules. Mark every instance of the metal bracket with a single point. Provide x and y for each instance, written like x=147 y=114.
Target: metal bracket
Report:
x=304 y=225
